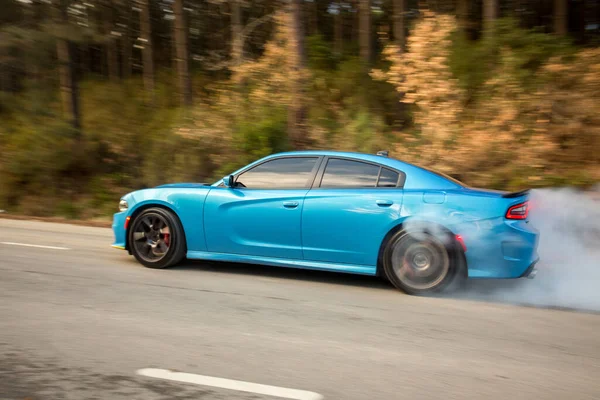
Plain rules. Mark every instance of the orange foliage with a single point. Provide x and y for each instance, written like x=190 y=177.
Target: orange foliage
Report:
x=543 y=131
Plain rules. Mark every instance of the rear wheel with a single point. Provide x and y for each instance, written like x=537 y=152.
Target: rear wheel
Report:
x=156 y=238
x=419 y=262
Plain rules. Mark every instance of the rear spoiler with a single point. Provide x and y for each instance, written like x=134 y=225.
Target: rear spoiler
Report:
x=512 y=195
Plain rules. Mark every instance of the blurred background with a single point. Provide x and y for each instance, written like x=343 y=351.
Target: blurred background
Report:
x=100 y=97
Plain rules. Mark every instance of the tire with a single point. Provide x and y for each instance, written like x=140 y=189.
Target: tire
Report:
x=420 y=262
x=156 y=238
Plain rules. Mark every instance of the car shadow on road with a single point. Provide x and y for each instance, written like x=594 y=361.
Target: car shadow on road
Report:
x=334 y=278
x=484 y=290
x=516 y=292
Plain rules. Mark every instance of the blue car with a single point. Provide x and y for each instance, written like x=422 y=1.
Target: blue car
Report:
x=336 y=211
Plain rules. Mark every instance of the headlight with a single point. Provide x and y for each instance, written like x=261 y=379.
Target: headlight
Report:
x=123 y=205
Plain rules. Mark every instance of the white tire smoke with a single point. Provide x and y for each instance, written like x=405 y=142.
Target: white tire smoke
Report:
x=569 y=249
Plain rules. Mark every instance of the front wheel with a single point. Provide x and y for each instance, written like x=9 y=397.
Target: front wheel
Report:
x=420 y=262
x=156 y=238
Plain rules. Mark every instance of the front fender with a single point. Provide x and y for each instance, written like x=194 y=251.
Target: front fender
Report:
x=186 y=203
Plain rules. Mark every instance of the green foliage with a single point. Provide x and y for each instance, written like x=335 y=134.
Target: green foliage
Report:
x=472 y=62
x=38 y=156
x=350 y=88
x=365 y=132
x=319 y=53
x=124 y=144
x=267 y=134
x=39 y=151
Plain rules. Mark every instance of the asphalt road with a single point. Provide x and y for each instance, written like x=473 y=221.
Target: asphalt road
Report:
x=79 y=319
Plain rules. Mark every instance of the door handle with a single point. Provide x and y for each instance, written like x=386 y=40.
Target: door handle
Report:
x=384 y=203
x=290 y=204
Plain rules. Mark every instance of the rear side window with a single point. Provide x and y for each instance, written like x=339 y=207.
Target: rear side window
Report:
x=349 y=174
x=281 y=173
x=388 y=178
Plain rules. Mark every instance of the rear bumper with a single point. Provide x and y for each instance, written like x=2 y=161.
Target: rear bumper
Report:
x=502 y=249
x=531 y=271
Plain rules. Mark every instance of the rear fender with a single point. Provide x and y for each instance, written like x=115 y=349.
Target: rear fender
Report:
x=428 y=226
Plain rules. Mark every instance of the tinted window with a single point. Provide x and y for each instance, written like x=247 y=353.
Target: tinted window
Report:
x=281 y=173
x=349 y=174
x=387 y=178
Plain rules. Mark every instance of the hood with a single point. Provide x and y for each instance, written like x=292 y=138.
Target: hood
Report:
x=184 y=185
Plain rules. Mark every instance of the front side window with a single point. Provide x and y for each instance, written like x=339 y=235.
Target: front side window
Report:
x=281 y=173
x=349 y=174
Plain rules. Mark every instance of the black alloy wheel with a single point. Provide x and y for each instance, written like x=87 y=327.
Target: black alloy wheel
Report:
x=156 y=238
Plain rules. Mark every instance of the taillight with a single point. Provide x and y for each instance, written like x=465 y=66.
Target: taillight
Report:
x=518 y=211
x=461 y=241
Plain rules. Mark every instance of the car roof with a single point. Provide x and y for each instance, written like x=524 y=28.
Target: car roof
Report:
x=417 y=177
x=384 y=160
x=392 y=162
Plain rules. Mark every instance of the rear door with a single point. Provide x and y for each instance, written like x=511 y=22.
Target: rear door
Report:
x=262 y=215
x=351 y=207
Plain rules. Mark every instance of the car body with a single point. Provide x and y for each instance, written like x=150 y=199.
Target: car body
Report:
x=335 y=211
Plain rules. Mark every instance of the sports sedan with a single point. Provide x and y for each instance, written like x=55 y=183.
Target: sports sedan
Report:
x=347 y=212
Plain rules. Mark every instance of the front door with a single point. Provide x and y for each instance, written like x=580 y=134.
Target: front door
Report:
x=262 y=214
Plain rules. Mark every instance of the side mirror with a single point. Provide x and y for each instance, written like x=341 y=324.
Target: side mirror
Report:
x=229 y=181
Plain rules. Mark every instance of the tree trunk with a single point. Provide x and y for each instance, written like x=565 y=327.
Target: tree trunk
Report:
x=353 y=21
x=296 y=109
x=560 y=17
x=112 y=55
x=236 y=32
x=364 y=30
x=181 y=47
x=462 y=13
x=69 y=90
x=84 y=59
x=312 y=12
x=68 y=84
x=126 y=43
x=582 y=21
x=147 y=51
x=398 y=17
x=338 y=27
x=98 y=18
x=490 y=13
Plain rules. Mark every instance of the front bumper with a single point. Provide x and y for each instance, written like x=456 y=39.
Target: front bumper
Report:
x=119 y=231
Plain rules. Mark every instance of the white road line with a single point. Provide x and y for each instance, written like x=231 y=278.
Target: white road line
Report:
x=35 y=245
x=230 y=384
